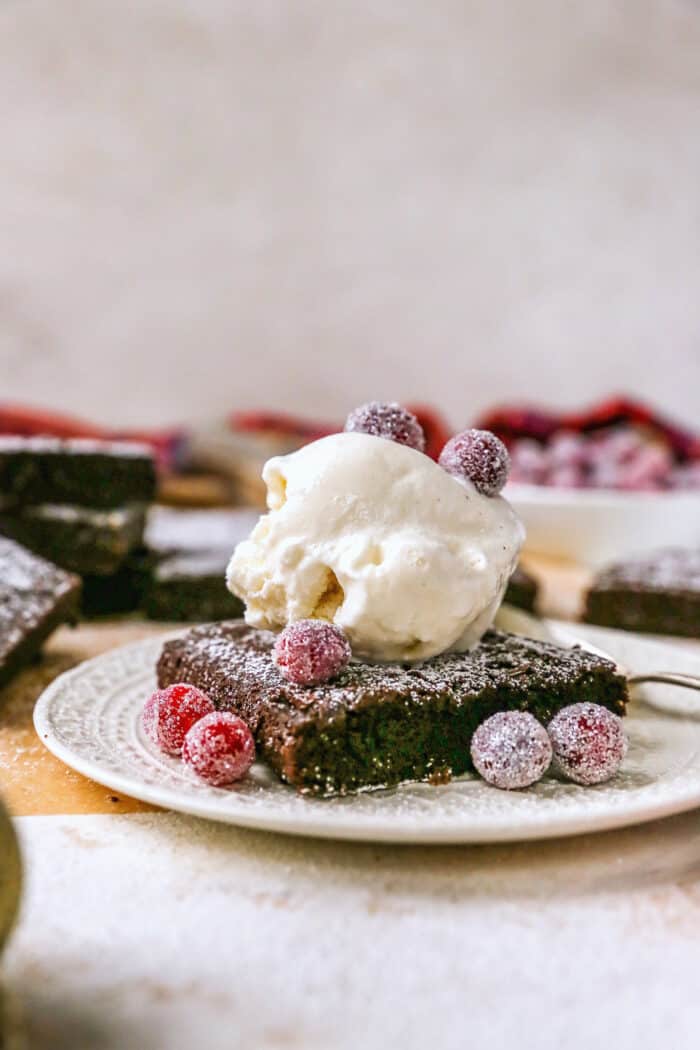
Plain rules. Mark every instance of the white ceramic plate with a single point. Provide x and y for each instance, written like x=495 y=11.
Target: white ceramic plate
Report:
x=597 y=526
x=89 y=718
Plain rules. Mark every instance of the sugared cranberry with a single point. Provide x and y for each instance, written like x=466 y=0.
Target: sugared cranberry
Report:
x=480 y=457
x=309 y=652
x=589 y=743
x=219 y=748
x=511 y=750
x=387 y=419
x=169 y=713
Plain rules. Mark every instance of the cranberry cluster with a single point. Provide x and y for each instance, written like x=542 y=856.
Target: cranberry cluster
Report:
x=585 y=741
x=216 y=745
x=620 y=457
x=477 y=456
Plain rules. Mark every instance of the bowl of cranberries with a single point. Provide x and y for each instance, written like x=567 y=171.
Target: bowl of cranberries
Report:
x=598 y=493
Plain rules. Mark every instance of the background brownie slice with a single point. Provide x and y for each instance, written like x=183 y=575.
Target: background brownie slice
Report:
x=189 y=552
x=191 y=586
x=78 y=471
x=659 y=593
x=35 y=598
x=522 y=590
x=78 y=538
x=381 y=724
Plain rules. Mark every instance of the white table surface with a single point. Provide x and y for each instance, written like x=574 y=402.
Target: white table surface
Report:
x=160 y=932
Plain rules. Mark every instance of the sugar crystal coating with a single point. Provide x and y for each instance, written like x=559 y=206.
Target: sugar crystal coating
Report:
x=387 y=419
x=169 y=713
x=219 y=748
x=309 y=652
x=478 y=456
x=589 y=743
x=511 y=750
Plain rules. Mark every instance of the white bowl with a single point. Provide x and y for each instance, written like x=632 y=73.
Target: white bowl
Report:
x=595 y=526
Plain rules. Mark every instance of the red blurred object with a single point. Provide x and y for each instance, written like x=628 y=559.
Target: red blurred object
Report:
x=523 y=421
x=32 y=422
x=435 y=429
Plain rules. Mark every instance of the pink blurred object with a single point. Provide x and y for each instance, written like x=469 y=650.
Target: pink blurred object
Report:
x=620 y=446
x=287 y=426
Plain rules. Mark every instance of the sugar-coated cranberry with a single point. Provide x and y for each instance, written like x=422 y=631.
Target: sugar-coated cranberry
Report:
x=511 y=750
x=170 y=713
x=219 y=748
x=387 y=419
x=480 y=457
x=309 y=652
x=589 y=743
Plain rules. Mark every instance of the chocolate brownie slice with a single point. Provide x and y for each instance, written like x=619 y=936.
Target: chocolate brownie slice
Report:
x=35 y=598
x=171 y=531
x=80 y=471
x=191 y=586
x=380 y=724
x=81 y=539
x=659 y=593
x=190 y=551
x=522 y=590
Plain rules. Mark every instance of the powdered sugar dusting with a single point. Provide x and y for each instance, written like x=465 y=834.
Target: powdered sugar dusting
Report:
x=31 y=591
x=672 y=569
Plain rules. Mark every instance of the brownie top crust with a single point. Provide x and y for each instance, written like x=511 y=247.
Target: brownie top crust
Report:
x=673 y=570
x=13 y=443
x=235 y=652
x=78 y=471
x=30 y=590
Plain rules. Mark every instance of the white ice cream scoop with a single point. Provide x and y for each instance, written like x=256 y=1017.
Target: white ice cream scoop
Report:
x=378 y=539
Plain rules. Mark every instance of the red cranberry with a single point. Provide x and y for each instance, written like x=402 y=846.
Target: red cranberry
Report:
x=169 y=713
x=511 y=750
x=387 y=419
x=589 y=743
x=219 y=748
x=309 y=652
x=480 y=457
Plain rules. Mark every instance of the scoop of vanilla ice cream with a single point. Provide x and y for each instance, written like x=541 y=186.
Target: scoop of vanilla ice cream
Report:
x=378 y=539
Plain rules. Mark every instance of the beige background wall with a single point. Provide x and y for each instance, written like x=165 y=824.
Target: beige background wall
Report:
x=207 y=204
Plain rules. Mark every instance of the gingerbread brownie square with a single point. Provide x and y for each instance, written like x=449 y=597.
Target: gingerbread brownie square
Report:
x=75 y=471
x=658 y=593
x=190 y=551
x=190 y=586
x=84 y=540
x=379 y=724
x=35 y=598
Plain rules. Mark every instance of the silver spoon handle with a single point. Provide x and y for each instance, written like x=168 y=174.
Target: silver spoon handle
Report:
x=686 y=681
